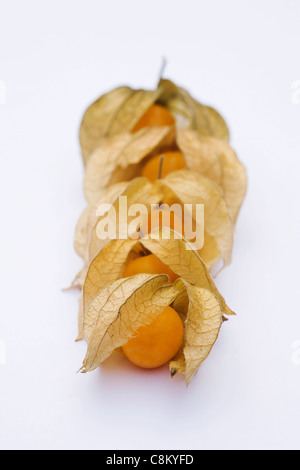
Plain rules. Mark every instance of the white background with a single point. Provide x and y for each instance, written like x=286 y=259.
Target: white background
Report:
x=55 y=58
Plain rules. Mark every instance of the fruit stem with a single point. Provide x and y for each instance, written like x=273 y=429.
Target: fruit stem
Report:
x=161 y=162
x=162 y=68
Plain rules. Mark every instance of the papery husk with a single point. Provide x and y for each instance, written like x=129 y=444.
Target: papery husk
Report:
x=183 y=187
x=114 y=307
x=226 y=170
x=120 y=310
x=184 y=262
x=85 y=229
x=202 y=326
x=138 y=191
x=118 y=158
x=190 y=187
x=113 y=113
x=87 y=242
x=122 y=158
x=89 y=218
x=108 y=266
x=191 y=114
x=119 y=111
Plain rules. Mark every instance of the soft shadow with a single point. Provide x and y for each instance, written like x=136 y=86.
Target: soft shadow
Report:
x=118 y=368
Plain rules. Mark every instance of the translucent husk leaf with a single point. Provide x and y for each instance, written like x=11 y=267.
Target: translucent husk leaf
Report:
x=109 y=265
x=121 y=159
x=202 y=327
x=120 y=310
x=113 y=113
x=120 y=110
x=81 y=232
x=233 y=178
x=192 y=188
x=205 y=163
x=106 y=267
x=183 y=187
x=138 y=191
x=80 y=335
x=192 y=114
x=121 y=152
x=85 y=229
x=116 y=307
x=79 y=279
x=184 y=262
x=89 y=219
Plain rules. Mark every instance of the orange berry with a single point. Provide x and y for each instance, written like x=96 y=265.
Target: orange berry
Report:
x=149 y=265
x=157 y=343
x=173 y=161
x=162 y=218
x=156 y=115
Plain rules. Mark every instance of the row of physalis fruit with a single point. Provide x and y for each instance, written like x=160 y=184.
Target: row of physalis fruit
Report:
x=151 y=295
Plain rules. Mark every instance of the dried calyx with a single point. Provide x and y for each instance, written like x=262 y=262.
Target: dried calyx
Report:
x=155 y=147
